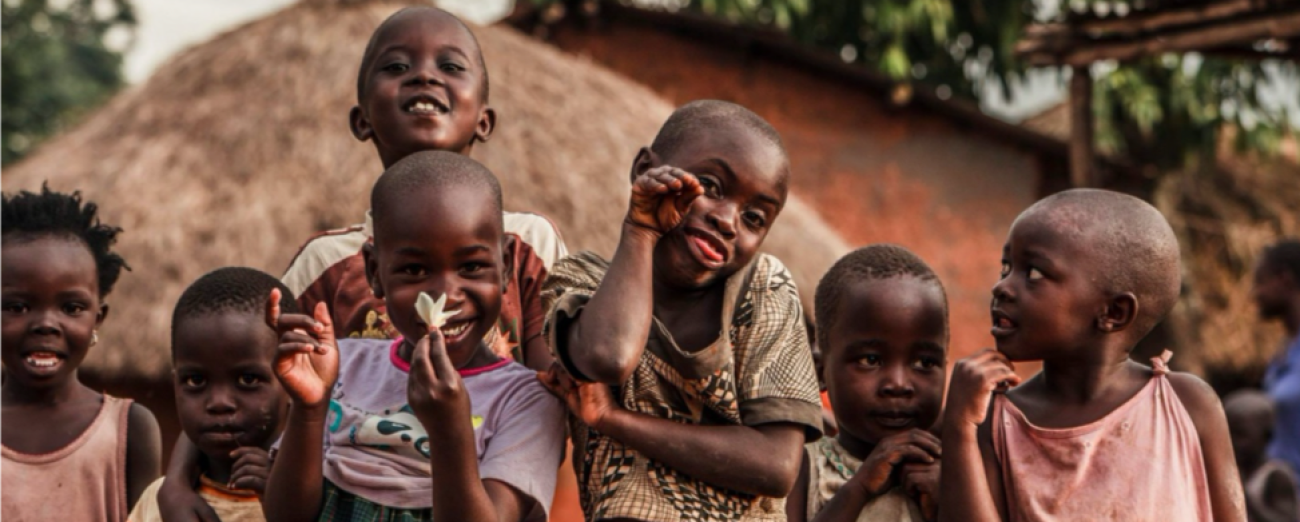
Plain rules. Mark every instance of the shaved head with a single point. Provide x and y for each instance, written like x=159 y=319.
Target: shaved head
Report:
x=1136 y=248
x=405 y=14
x=442 y=171
x=710 y=116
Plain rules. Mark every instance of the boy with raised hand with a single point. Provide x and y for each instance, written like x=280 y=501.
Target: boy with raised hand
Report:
x=696 y=385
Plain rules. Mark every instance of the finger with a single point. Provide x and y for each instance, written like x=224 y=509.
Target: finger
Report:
x=325 y=323
x=910 y=453
x=926 y=441
x=249 y=453
x=291 y=322
x=294 y=349
x=273 y=308
x=439 y=358
x=421 y=367
x=253 y=482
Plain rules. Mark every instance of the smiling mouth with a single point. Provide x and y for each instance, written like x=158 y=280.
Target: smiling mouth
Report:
x=709 y=250
x=43 y=362
x=425 y=106
x=454 y=331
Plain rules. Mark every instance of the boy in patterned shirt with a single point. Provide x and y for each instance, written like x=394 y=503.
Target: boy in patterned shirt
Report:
x=684 y=358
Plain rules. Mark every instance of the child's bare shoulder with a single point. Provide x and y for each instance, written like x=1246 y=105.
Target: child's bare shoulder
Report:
x=1199 y=399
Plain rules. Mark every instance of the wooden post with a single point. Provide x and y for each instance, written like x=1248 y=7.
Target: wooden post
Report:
x=1081 y=127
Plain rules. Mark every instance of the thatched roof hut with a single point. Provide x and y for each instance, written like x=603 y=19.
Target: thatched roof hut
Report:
x=237 y=150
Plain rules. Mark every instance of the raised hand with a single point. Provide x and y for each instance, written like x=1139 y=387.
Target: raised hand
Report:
x=974 y=379
x=307 y=360
x=251 y=469
x=434 y=389
x=660 y=196
x=878 y=473
x=591 y=402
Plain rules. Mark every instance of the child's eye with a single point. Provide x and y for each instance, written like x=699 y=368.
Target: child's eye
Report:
x=73 y=308
x=755 y=219
x=1034 y=274
x=249 y=380
x=870 y=359
x=928 y=363
x=412 y=270
x=473 y=268
x=1006 y=269
x=396 y=67
x=710 y=187
x=15 y=308
x=192 y=381
x=451 y=67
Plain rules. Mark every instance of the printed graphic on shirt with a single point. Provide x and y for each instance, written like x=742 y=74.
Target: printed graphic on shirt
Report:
x=395 y=429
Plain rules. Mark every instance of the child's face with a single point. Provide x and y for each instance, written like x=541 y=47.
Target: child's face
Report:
x=423 y=88
x=1047 y=299
x=886 y=356
x=744 y=180
x=450 y=244
x=227 y=395
x=1250 y=432
x=51 y=307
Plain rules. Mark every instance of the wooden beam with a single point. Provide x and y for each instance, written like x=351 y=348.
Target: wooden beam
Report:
x=1157 y=19
x=1081 y=52
x=1081 y=127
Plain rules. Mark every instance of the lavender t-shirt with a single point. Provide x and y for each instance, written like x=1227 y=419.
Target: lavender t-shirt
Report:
x=376 y=449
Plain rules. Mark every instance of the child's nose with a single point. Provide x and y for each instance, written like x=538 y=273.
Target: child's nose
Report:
x=723 y=218
x=220 y=401
x=1002 y=290
x=425 y=74
x=44 y=323
x=896 y=384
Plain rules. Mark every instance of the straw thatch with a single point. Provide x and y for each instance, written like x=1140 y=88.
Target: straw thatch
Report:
x=236 y=150
x=1224 y=213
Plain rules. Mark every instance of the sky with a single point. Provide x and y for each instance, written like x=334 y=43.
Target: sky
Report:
x=169 y=26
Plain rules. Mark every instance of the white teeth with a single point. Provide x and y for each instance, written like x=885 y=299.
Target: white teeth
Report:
x=455 y=330
x=423 y=106
x=43 y=360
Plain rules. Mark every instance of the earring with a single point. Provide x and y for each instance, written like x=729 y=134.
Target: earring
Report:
x=94 y=337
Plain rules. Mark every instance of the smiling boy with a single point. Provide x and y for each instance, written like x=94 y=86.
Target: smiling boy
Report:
x=698 y=384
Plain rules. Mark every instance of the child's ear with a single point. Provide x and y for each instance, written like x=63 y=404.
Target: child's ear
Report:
x=646 y=159
x=372 y=269
x=487 y=122
x=360 y=126
x=1120 y=312
x=103 y=314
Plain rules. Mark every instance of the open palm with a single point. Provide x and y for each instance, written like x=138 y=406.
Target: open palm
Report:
x=307 y=360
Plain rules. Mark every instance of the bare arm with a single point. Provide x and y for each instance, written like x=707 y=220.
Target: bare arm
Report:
x=143 y=453
x=307 y=364
x=796 y=504
x=970 y=485
x=760 y=460
x=1227 y=500
x=177 y=499
x=606 y=341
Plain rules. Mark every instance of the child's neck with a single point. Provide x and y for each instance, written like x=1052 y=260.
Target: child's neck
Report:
x=859 y=448
x=69 y=391
x=481 y=356
x=1082 y=382
x=216 y=469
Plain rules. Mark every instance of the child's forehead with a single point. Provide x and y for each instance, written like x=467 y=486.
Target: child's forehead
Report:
x=224 y=338
x=748 y=154
x=424 y=26
x=447 y=215
x=900 y=304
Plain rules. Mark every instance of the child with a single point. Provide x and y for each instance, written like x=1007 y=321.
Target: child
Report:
x=1086 y=275
x=1270 y=484
x=1276 y=290
x=883 y=318
x=433 y=425
x=227 y=397
x=69 y=452
x=700 y=336
x=423 y=85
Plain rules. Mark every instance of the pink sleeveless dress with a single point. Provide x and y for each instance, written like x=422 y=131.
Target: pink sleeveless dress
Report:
x=85 y=480
x=1140 y=463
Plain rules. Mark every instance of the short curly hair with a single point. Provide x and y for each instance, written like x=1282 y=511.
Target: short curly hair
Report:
x=30 y=215
x=231 y=289
x=873 y=262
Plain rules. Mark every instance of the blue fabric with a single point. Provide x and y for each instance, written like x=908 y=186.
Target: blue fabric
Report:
x=1282 y=382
